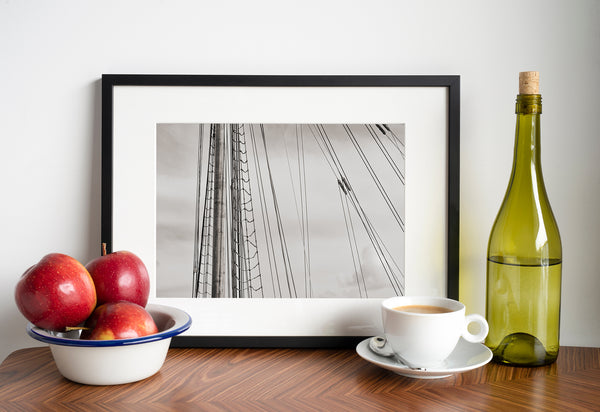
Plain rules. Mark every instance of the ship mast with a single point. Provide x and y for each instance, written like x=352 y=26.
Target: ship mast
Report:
x=220 y=214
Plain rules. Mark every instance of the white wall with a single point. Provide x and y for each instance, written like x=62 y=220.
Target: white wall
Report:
x=52 y=55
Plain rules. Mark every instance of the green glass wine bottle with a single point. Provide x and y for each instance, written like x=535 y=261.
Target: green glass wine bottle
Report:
x=524 y=260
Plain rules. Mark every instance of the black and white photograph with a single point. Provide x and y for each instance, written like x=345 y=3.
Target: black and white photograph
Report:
x=280 y=210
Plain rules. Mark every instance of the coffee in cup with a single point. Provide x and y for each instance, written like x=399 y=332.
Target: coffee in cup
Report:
x=422 y=309
x=423 y=331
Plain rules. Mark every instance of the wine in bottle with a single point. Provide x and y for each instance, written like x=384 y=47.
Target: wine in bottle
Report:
x=524 y=257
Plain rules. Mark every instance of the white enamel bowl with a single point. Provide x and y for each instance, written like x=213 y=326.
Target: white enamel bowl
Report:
x=114 y=362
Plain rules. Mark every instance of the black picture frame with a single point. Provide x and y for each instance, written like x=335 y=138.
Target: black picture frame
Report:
x=451 y=83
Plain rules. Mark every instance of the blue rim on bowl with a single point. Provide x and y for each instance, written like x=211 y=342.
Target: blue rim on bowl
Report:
x=180 y=322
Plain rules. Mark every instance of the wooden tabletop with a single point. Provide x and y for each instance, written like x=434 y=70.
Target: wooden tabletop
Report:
x=303 y=380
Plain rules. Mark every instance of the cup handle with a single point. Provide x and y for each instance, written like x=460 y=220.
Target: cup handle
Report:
x=483 y=328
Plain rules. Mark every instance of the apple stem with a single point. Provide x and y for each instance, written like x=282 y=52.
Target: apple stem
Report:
x=103 y=249
x=72 y=328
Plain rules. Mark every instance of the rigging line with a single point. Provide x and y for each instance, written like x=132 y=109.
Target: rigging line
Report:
x=321 y=141
x=351 y=237
x=237 y=250
x=251 y=248
x=196 y=264
x=238 y=257
x=289 y=163
x=287 y=263
x=246 y=231
x=332 y=157
x=391 y=258
x=384 y=146
x=235 y=241
x=273 y=269
x=386 y=153
x=362 y=275
x=304 y=203
x=331 y=166
x=375 y=178
x=268 y=233
x=306 y=217
x=371 y=233
x=235 y=244
x=331 y=151
x=228 y=207
x=209 y=218
x=395 y=139
x=375 y=238
x=299 y=215
x=392 y=137
x=206 y=242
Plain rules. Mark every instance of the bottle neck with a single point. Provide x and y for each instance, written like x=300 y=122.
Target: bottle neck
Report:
x=527 y=159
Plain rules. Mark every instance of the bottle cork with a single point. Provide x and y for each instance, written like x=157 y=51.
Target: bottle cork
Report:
x=529 y=83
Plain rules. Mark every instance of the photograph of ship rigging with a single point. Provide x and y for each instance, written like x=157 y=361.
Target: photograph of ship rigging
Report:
x=280 y=210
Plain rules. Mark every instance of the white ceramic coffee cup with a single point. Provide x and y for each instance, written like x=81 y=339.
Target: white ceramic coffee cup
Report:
x=425 y=340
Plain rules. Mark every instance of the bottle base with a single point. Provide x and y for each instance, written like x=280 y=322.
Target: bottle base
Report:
x=522 y=349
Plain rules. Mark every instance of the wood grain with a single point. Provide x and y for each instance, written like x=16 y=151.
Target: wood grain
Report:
x=302 y=380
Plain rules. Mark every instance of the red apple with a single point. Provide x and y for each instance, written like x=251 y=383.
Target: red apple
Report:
x=120 y=276
x=119 y=320
x=56 y=292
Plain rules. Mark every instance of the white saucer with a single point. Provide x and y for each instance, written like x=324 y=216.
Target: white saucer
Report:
x=466 y=356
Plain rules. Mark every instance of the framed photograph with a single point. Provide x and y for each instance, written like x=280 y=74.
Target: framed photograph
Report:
x=278 y=211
